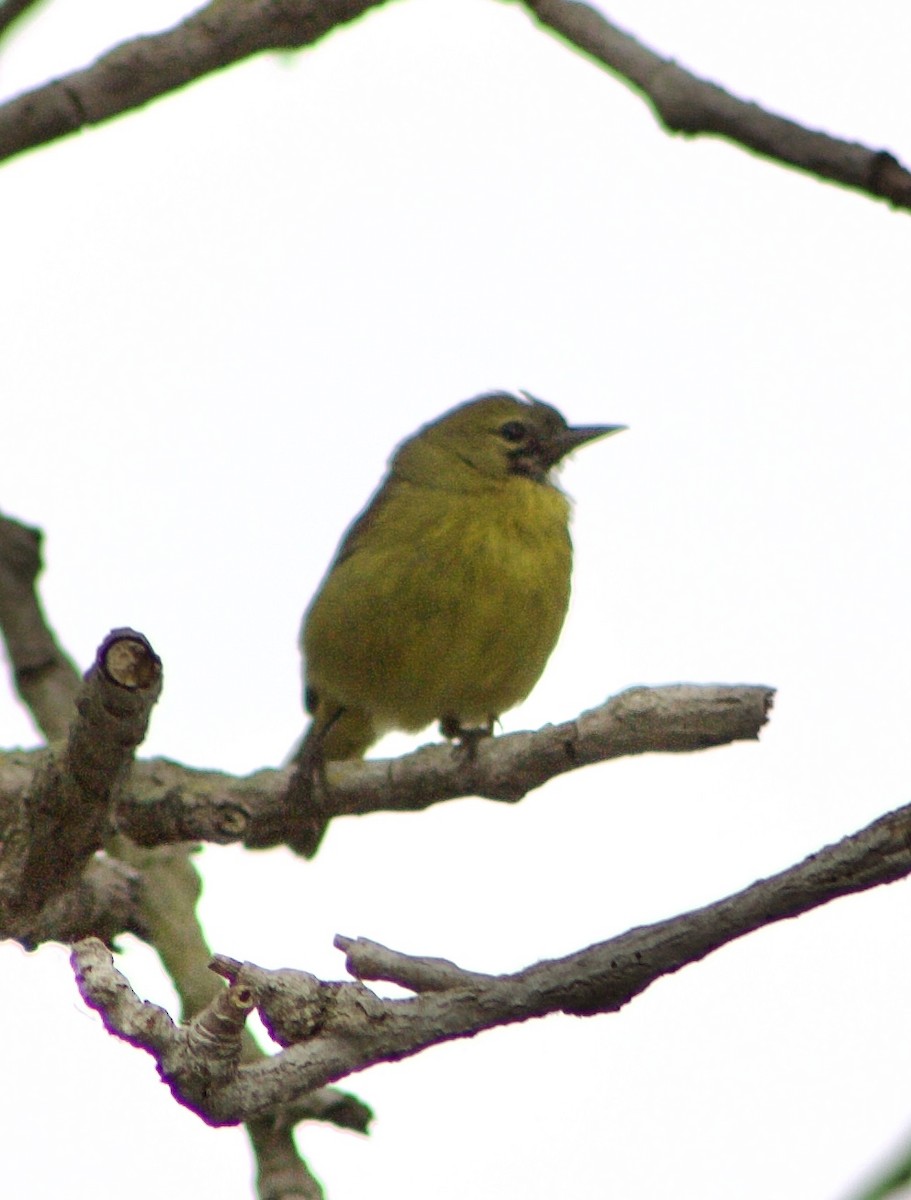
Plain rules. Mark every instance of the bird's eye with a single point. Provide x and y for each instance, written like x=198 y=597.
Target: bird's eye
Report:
x=513 y=431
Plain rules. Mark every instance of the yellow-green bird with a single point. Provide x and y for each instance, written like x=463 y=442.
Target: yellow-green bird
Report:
x=447 y=594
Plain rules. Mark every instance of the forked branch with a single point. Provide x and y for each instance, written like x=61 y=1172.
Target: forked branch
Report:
x=330 y=1029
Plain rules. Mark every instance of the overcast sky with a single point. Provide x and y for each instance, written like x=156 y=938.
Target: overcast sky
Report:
x=220 y=314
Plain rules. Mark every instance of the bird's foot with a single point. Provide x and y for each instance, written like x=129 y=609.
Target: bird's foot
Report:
x=466 y=737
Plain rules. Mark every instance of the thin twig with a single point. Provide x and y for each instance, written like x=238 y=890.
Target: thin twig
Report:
x=685 y=103
x=45 y=678
x=12 y=10
x=145 y=68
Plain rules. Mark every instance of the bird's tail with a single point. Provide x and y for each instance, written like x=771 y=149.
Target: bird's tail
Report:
x=303 y=799
x=333 y=735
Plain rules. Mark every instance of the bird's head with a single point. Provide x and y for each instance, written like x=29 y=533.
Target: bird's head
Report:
x=491 y=438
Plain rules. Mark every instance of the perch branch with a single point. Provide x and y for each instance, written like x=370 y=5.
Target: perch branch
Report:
x=167 y=802
x=686 y=104
x=331 y=1029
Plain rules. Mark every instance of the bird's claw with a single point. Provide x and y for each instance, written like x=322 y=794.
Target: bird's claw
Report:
x=466 y=738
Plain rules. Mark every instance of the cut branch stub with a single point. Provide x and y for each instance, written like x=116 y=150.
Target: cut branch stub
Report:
x=64 y=816
x=128 y=660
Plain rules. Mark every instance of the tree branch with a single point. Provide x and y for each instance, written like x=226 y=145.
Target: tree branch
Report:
x=686 y=104
x=149 y=892
x=45 y=678
x=227 y=31
x=132 y=74
x=329 y=1030
x=167 y=802
x=164 y=803
x=154 y=890
x=11 y=10
x=104 y=901
x=65 y=812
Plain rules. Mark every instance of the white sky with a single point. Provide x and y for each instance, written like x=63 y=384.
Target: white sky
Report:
x=219 y=315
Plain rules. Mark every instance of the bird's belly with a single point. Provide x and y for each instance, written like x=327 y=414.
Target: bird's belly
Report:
x=459 y=623
x=473 y=647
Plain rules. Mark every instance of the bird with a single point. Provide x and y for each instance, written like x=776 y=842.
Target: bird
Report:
x=447 y=593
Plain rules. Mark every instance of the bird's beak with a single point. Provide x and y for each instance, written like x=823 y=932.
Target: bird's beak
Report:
x=569 y=439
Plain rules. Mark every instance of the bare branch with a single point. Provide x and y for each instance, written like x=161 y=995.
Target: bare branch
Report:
x=104 y=902
x=64 y=816
x=281 y=1174
x=11 y=10
x=891 y=1179
x=684 y=103
x=45 y=678
x=151 y=892
x=167 y=802
x=370 y=960
x=226 y=31
x=132 y=74
x=164 y=803
x=140 y=1023
x=333 y=1029
x=328 y=1104
x=193 y=1057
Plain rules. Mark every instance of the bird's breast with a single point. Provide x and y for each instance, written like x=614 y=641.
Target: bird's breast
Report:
x=449 y=604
